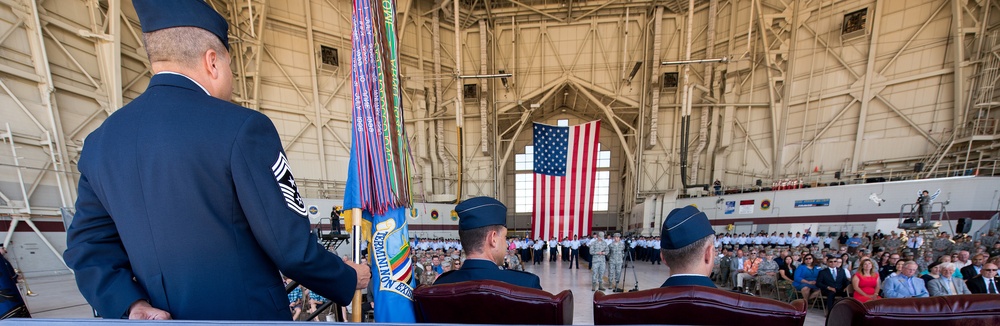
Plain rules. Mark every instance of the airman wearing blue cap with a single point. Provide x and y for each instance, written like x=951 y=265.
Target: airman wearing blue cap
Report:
x=187 y=208
x=687 y=246
x=482 y=228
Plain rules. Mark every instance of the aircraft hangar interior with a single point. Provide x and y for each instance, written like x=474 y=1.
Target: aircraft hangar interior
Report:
x=822 y=116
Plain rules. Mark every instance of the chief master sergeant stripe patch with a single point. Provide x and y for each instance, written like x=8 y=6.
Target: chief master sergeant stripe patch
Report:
x=287 y=184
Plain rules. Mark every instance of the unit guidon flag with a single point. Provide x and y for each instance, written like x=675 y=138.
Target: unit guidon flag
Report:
x=565 y=162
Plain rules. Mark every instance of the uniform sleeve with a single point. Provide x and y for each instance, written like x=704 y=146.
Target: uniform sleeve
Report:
x=268 y=196
x=95 y=252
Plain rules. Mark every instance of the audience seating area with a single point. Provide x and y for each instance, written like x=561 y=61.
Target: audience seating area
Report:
x=694 y=305
x=969 y=309
x=455 y=304
x=689 y=305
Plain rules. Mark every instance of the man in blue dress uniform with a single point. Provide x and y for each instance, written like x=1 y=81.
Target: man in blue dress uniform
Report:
x=687 y=246
x=482 y=228
x=187 y=208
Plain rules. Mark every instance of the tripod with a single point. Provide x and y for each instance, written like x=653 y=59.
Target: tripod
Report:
x=628 y=258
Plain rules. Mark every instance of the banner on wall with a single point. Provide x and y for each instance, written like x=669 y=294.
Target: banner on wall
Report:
x=730 y=207
x=746 y=206
x=812 y=202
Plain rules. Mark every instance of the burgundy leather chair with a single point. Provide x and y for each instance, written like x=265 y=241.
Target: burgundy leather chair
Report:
x=491 y=302
x=967 y=309
x=694 y=305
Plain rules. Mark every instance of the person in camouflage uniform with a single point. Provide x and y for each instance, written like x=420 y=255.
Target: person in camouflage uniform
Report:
x=892 y=243
x=616 y=259
x=942 y=245
x=965 y=243
x=598 y=253
x=989 y=239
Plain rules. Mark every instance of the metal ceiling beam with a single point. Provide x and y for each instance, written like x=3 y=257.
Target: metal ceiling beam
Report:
x=610 y=116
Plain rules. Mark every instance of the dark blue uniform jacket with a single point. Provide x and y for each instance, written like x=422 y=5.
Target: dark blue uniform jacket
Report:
x=187 y=201
x=688 y=280
x=478 y=269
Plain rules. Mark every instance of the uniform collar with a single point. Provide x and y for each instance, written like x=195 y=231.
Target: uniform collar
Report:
x=176 y=79
x=474 y=263
x=688 y=279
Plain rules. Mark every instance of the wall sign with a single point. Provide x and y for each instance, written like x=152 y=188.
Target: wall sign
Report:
x=812 y=203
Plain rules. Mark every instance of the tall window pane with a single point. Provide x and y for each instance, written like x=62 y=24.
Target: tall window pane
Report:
x=524 y=192
x=602 y=185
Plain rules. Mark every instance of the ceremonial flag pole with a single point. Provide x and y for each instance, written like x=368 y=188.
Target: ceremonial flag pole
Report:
x=378 y=180
x=357 y=237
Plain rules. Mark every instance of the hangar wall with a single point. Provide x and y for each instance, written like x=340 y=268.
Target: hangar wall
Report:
x=797 y=98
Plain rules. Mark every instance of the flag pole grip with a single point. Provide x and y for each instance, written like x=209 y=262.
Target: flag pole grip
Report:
x=356 y=234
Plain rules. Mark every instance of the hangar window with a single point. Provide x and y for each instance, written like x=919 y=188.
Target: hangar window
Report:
x=470 y=92
x=524 y=180
x=328 y=55
x=669 y=80
x=524 y=184
x=524 y=191
x=602 y=184
x=855 y=24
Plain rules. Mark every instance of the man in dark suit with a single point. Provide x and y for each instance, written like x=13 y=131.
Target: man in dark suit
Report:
x=687 y=246
x=986 y=282
x=483 y=231
x=968 y=272
x=833 y=281
x=187 y=208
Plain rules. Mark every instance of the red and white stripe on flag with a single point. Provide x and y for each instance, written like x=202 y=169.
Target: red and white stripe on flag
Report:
x=565 y=162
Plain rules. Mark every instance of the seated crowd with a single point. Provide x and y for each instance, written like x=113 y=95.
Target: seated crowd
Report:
x=819 y=269
x=810 y=267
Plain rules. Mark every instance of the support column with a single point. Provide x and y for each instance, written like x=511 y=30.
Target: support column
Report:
x=316 y=103
x=958 y=50
x=109 y=49
x=248 y=19
x=46 y=88
x=866 y=93
x=789 y=83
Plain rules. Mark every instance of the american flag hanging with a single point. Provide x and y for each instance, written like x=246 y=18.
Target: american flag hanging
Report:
x=565 y=162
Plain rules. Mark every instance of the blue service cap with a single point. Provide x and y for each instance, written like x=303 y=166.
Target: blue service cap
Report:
x=479 y=212
x=155 y=15
x=684 y=226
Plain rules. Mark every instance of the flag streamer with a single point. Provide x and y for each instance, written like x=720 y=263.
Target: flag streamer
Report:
x=378 y=173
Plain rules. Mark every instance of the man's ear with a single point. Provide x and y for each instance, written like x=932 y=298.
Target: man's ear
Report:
x=491 y=238
x=709 y=252
x=210 y=60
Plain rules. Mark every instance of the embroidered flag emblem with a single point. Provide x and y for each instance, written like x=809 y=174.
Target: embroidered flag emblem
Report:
x=287 y=185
